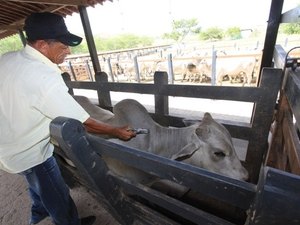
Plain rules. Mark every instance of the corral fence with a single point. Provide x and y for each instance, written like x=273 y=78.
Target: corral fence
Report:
x=141 y=63
x=81 y=71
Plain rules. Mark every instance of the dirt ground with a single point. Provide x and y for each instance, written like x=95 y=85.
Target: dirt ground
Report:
x=15 y=203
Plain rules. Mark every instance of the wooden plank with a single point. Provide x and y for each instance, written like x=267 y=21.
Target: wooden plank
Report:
x=69 y=134
x=271 y=33
x=292 y=146
x=161 y=101
x=262 y=119
x=279 y=57
x=141 y=212
x=247 y=94
x=277 y=201
x=144 y=215
x=89 y=38
x=198 y=179
x=179 y=208
x=292 y=90
x=104 y=99
x=275 y=157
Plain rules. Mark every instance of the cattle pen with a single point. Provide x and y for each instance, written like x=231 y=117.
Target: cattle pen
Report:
x=271 y=196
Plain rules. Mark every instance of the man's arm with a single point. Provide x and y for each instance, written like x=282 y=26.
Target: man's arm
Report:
x=97 y=127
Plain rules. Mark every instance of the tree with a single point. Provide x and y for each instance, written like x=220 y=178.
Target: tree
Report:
x=181 y=28
x=12 y=43
x=290 y=28
x=212 y=33
x=234 y=33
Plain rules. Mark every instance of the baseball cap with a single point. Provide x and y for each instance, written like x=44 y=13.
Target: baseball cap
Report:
x=46 y=25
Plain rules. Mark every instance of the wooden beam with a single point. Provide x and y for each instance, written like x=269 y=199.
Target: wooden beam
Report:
x=11 y=27
x=54 y=2
x=271 y=34
x=89 y=38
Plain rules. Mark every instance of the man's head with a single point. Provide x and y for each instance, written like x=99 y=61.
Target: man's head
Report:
x=48 y=33
x=46 y=25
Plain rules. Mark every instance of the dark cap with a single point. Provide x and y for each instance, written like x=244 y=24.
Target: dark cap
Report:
x=46 y=25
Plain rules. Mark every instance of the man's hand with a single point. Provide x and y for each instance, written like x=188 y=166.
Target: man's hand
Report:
x=124 y=133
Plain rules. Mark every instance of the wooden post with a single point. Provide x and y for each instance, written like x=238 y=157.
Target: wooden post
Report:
x=66 y=77
x=136 y=68
x=170 y=69
x=161 y=102
x=110 y=70
x=72 y=70
x=88 y=69
x=261 y=121
x=214 y=67
x=22 y=36
x=271 y=34
x=103 y=94
x=89 y=38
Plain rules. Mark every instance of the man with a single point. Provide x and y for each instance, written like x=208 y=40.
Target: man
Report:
x=32 y=94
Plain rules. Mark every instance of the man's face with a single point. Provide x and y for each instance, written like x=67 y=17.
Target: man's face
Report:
x=57 y=52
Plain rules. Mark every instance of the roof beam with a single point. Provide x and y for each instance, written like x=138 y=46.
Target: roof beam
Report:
x=11 y=27
x=54 y=2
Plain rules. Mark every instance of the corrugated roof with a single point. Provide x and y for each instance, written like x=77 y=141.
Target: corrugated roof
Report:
x=14 y=12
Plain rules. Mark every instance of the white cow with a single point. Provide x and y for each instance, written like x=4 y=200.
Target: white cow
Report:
x=200 y=70
x=241 y=69
x=207 y=144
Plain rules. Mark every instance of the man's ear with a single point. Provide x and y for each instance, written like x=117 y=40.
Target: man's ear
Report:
x=42 y=46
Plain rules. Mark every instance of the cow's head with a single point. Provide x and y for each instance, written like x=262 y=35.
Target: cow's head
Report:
x=213 y=150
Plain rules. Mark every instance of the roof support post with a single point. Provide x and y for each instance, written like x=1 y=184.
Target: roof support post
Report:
x=89 y=38
x=22 y=36
x=271 y=34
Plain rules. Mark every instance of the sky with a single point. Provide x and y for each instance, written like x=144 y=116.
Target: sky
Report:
x=154 y=17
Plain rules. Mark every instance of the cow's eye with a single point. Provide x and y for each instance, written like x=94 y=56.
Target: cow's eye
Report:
x=220 y=154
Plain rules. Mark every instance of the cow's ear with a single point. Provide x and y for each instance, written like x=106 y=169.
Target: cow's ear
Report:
x=185 y=152
x=203 y=132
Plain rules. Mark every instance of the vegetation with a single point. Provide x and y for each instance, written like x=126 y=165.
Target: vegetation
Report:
x=212 y=33
x=181 y=28
x=290 y=28
x=184 y=27
x=114 y=43
x=102 y=44
x=234 y=33
x=11 y=43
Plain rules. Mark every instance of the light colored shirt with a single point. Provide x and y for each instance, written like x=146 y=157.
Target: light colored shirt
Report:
x=32 y=94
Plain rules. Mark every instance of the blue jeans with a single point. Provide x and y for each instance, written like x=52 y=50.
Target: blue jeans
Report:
x=50 y=195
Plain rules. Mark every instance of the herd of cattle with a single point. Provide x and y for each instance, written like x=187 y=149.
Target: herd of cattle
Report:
x=233 y=70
